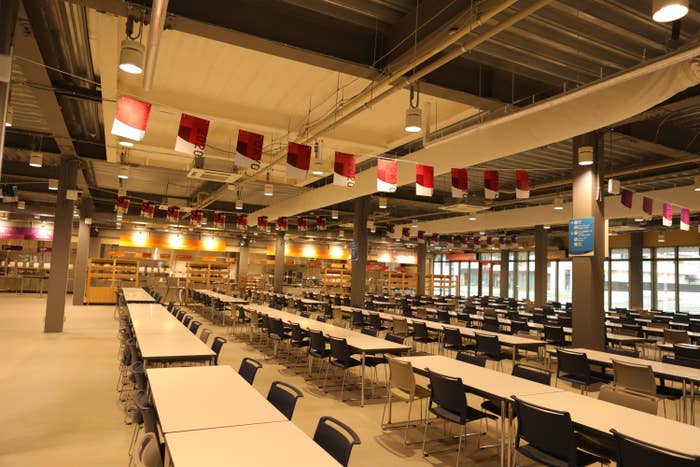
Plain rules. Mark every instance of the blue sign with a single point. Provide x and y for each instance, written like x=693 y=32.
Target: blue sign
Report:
x=354 y=251
x=581 y=239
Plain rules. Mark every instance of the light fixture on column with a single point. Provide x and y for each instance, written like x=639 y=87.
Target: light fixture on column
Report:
x=9 y=117
x=36 y=159
x=132 y=52
x=661 y=238
x=123 y=172
x=639 y=219
x=665 y=11
x=414 y=114
x=585 y=155
x=558 y=204
x=383 y=202
x=334 y=214
x=53 y=184
x=268 y=189
x=696 y=186
x=371 y=226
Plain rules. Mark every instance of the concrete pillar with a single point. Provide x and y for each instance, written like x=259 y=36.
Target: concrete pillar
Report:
x=60 y=253
x=505 y=256
x=588 y=273
x=636 y=275
x=359 y=266
x=278 y=278
x=95 y=247
x=8 y=20
x=242 y=266
x=81 y=263
x=541 y=242
x=421 y=258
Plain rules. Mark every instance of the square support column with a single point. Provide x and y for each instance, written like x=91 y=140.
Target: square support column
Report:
x=278 y=278
x=242 y=265
x=636 y=275
x=81 y=263
x=505 y=257
x=421 y=258
x=541 y=243
x=358 y=278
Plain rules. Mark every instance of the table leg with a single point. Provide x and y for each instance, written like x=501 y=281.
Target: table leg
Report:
x=692 y=403
x=683 y=403
x=502 y=444
x=362 y=383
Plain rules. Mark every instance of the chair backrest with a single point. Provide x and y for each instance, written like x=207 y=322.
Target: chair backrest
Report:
x=451 y=336
x=401 y=375
x=318 y=342
x=632 y=400
x=357 y=318
x=336 y=442
x=449 y=394
x=181 y=314
x=321 y=318
x=369 y=331
x=248 y=369
x=553 y=333
x=634 y=377
x=399 y=325
x=632 y=452
x=477 y=360
x=204 y=336
x=420 y=330
x=148 y=451
x=339 y=349
x=491 y=324
x=297 y=333
x=550 y=431
x=375 y=321
x=573 y=363
x=532 y=373
x=488 y=345
x=676 y=336
x=394 y=338
x=276 y=327
x=284 y=396
x=186 y=320
x=216 y=345
x=686 y=351
x=194 y=326
x=517 y=326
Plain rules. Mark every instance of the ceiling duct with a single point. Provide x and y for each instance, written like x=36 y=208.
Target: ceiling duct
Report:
x=211 y=169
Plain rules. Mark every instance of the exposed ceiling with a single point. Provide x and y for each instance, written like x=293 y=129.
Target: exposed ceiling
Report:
x=303 y=64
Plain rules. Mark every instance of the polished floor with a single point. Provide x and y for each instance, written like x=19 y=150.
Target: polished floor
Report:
x=61 y=408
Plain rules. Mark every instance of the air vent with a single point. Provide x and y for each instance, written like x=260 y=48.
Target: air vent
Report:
x=213 y=175
x=463 y=208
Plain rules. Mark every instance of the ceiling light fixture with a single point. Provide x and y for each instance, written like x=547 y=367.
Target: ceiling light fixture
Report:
x=53 y=184
x=239 y=205
x=472 y=218
x=9 y=117
x=697 y=184
x=268 y=189
x=547 y=227
x=639 y=219
x=334 y=214
x=665 y=11
x=414 y=114
x=126 y=143
x=317 y=167
x=123 y=172
x=36 y=159
x=132 y=52
x=585 y=155
x=661 y=238
x=21 y=204
x=558 y=204
x=383 y=202
x=414 y=223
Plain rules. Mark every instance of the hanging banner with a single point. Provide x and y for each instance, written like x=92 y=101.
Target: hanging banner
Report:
x=173 y=215
x=192 y=135
x=320 y=223
x=131 y=118
x=489 y=241
x=196 y=218
x=344 y=170
x=420 y=236
x=262 y=222
x=648 y=205
x=424 y=180
x=282 y=223
x=390 y=228
x=522 y=184
x=298 y=160
x=219 y=220
x=514 y=240
x=685 y=219
x=249 y=150
x=460 y=183
x=667 y=219
x=491 y=184
x=502 y=241
x=435 y=238
x=387 y=175
x=242 y=221
x=450 y=240
x=626 y=197
x=476 y=241
x=148 y=208
x=302 y=225
x=405 y=233
x=121 y=206
x=10 y=194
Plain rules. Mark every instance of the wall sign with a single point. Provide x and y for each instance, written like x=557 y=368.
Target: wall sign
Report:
x=581 y=237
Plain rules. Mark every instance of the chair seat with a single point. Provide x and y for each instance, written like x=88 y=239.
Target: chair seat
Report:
x=374 y=360
x=669 y=392
x=301 y=343
x=490 y=406
x=420 y=393
x=583 y=458
x=460 y=347
x=576 y=380
x=472 y=414
x=318 y=354
x=504 y=355
x=425 y=340
x=350 y=363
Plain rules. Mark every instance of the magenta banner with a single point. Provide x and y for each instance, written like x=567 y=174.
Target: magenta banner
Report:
x=26 y=233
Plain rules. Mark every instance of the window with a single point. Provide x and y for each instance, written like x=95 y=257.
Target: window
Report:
x=617 y=278
x=564 y=281
x=665 y=282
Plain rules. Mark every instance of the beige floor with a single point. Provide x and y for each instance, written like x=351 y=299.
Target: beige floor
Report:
x=61 y=408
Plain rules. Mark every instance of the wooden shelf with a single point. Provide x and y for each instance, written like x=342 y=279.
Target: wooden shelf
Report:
x=336 y=281
x=439 y=284
x=403 y=283
x=204 y=275
x=106 y=275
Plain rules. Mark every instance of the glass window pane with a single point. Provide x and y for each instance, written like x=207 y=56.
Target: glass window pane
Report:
x=646 y=285
x=619 y=253
x=619 y=284
x=454 y=274
x=464 y=279
x=473 y=278
x=646 y=253
x=496 y=281
x=495 y=256
x=531 y=281
x=521 y=291
x=552 y=281
x=512 y=278
x=665 y=285
x=687 y=252
x=689 y=286
x=606 y=285
x=668 y=252
x=485 y=269
x=565 y=275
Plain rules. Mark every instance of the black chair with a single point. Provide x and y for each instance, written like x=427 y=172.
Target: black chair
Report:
x=686 y=351
x=517 y=326
x=452 y=340
x=278 y=333
x=689 y=362
x=448 y=402
x=632 y=452
x=357 y=320
x=299 y=338
x=194 y=327
x=477 y=360
x=284 y=396
x=531 y=373
x=375 y=322
x=337 y=443
x=248 y=369
x=187 y=320
x=216 y=345
x=321 y=319
x=624 y=352
x=421 y=334
x=555 y=335
x=574 y=368
x=491 y=324
x=490 y=347
x=317 y=348
x=340 y=357
x=550 y=436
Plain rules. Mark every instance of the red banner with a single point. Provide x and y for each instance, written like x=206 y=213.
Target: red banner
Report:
x=626 y=197
x=491 y=184
x=302 y=224
x=390 y=228
x=320 y=223
x=424 y=180
x=420 y=236
x=131 y=118
x=648 y=205
x=282 y=223
x=249 y=149
x=460 y=183
x=192 y=135
x=344 y=170
x=219 y=220
x=522 y=184
x=298 y=160
x=387 y=175
x=196 y=217
x=121 y=206
x=667 y=219
x=242 y=221
x=173 y=214
x=148 y=208
x=262 y=222
x=405 y=233
x=435 y=238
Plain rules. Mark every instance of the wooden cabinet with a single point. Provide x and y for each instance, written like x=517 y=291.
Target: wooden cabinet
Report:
x=208 y=276
x=439 y=284
x=105 y=276
x=403 y=283
x=336 y=281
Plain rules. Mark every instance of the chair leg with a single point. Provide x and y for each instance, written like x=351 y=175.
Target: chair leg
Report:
x=342 y=386
x=408 y=421
x=325 y=379
x=425 y=435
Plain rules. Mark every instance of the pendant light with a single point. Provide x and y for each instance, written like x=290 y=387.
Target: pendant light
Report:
x=383 y=202
x=414 y=114
x=53 y=184
x=132 y=52
x=334 y=214
x=558 y=204
x=585 y=155
x=36 y=159
x=123 y=172
x=269 y=188
x=665 y=11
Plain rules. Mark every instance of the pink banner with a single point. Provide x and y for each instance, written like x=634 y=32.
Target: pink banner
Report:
x=522 y=184
x=148 y=208
x=667 y=219
x=26 y=233
x=685 y=219
x=491 y=184
x=219 y=220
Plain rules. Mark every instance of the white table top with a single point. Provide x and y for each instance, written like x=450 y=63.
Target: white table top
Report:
x=603 y=416
x=268 y=444
x=491 y=382
x=311 y=301
x=137 y=294
x=162 y=337
x=224 y=298
x=200 y=397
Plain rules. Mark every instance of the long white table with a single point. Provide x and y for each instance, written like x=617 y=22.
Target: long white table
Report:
x=223 y=297
x=361 y=343
x=162 y=338
x=269 y=444
x=137 y=295
x=201 y=397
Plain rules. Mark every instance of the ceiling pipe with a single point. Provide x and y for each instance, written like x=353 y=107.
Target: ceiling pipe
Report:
x=158 y=14
x=332 y=121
